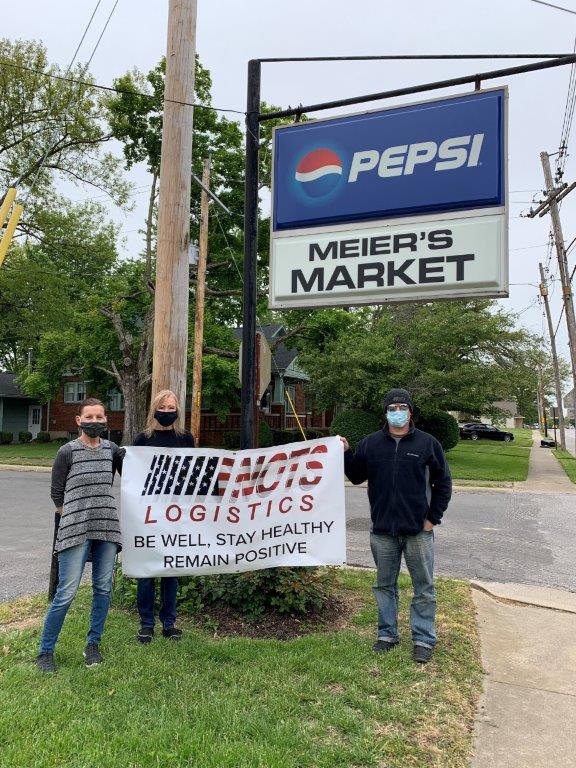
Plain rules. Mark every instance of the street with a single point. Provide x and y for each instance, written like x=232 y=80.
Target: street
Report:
x=487 y=535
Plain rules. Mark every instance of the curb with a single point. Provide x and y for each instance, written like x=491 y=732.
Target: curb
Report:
x=24 y=468
x=519 y=601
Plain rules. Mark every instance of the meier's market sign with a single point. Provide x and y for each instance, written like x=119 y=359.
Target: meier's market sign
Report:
x=200 y=511
x=402 y=204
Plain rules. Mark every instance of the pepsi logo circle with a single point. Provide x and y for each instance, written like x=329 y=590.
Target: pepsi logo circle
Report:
x=319 y=173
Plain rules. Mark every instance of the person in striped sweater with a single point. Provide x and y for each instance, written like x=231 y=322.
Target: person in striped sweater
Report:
x=89 y=528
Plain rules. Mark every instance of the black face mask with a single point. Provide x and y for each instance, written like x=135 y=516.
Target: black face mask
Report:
x=93 y=428
x=165 y=418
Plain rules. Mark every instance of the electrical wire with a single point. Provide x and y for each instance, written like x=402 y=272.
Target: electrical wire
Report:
x=551 y=5
x=52 y=142
x=112 y=89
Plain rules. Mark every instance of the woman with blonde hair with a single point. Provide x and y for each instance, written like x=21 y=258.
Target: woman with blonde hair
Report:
x=164 y=429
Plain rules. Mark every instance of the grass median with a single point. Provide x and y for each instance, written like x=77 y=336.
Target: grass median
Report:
x=567 y=461
x=322 y=700
x=29 y=454
x=491 y=460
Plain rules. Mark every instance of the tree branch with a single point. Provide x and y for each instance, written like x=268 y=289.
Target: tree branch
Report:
x=221 y=352
x=294 y=332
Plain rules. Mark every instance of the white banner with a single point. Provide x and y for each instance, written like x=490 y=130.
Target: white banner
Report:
x=199 y=511
x=456 y=255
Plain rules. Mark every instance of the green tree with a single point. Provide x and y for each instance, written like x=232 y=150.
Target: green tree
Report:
x=460 y=356
x=50 y=130
x=45 y=279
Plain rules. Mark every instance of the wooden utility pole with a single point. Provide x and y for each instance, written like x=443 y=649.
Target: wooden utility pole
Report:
x=562 y=262
x=200 y=293
x=557 y=381
x=171 y=301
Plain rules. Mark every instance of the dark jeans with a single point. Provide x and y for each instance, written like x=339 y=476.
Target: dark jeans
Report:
x=146 y=596
x=418 y=553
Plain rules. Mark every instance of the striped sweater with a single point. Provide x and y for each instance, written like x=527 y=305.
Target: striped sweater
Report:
x=81 y=485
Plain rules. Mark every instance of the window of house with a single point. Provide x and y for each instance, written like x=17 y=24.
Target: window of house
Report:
x=290 y=390
x=115 y=400
x=74 y=391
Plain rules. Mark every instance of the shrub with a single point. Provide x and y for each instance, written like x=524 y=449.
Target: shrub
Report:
x=354 y=424
x=265 y=437
x=285 y=590
x=283 y=436
x=6 y=438
x=43 y=437
x=123 y=589
x=24 y=437
x=231 y=441
x=442 y=426
x=291 y=591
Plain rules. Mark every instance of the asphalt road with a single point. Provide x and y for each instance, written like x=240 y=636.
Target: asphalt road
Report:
x=493 y=536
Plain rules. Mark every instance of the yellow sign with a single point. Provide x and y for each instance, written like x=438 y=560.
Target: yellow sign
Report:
x=5 y=207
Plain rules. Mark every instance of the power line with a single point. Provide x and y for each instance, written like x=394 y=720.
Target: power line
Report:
x=551 y=5
x=112 y=89
x=52 y=143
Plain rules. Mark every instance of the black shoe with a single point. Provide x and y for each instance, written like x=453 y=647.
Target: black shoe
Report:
x=145 y=634
x=45 y=662
x=422 y=654
x=383 y=646
x=92 y=655
x=172 y=633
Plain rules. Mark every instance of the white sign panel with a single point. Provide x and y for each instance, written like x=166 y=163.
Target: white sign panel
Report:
x=200 y=511
x=411 y=260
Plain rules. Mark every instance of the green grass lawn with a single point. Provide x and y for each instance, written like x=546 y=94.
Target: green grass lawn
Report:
x=30 y=454
x=567 y=461
x=324 y=700
x=493 y=461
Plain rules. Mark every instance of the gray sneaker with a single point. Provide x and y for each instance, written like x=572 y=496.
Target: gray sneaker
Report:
x=45 y=662
x=92 y=655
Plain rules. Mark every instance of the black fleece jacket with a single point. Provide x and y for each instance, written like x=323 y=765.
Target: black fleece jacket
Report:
x=408 y=481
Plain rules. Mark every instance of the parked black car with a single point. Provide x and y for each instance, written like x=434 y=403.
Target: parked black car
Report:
x=476 y=431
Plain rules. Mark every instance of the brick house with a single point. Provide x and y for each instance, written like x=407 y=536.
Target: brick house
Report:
x=287 y=383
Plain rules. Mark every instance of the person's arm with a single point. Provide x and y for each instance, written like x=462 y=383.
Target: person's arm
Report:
x=440 y=482
x=140 y=439
x=355 y=463
x=60 y=470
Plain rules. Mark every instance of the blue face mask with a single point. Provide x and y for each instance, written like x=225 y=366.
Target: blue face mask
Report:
x=398 y=418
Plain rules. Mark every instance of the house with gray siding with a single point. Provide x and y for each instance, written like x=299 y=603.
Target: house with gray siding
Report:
x=18 y=412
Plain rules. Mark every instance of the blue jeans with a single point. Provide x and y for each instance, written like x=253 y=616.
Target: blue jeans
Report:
x=146 y=595
x=418 y=553
x=71 y=564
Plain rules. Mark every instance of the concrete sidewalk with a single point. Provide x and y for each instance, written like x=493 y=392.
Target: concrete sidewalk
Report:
x=545 y=475
x=528 y=707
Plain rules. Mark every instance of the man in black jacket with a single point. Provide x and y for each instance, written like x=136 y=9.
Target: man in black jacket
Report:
x=409 y=488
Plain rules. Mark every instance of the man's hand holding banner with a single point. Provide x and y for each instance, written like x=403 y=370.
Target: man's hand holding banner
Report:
x=200 y=511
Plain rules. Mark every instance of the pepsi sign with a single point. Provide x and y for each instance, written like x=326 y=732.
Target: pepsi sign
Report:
x=432 y=157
